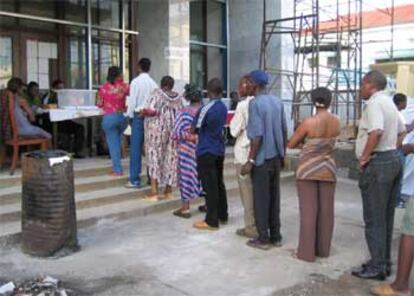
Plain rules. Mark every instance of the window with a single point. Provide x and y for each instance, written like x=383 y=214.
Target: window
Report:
x=41 y=58
x=6 y=65
x=197 y=65
x=106 y=53
x=208 y=51
x=76 y=72
x=216 y=12
x=312 y=62
x=332 y=62
x=197 y=21
x=106 y=13
x=50 y=49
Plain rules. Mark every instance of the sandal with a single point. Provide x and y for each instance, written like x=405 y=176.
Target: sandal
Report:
x=202 y=225
x=387 y=290
x=203 y=208
x=168 y=195
x=183 y=214
x=152 y=197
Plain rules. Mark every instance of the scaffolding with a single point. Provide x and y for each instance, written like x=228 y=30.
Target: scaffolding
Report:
x=313 y=37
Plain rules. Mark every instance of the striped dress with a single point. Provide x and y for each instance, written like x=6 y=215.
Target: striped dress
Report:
x=188 y=181
x=316 y=161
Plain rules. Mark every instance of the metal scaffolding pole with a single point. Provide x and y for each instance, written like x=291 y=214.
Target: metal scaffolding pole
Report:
x=315 y=37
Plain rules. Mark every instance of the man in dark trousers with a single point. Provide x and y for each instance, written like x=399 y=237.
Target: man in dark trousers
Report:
x=267 y=132
x=209 y=124
x=380 y=130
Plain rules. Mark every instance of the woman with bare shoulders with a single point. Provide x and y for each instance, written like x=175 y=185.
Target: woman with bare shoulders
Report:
x=316 y=177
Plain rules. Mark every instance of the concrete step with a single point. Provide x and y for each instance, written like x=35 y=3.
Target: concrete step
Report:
x=104 y=195
x=127 y=206
x=87 y=167
x=12 y=194
x=114 y=204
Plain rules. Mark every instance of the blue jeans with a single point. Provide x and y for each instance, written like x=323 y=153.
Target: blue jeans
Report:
x=135 y=150
x=114 y=125
x=402 y=159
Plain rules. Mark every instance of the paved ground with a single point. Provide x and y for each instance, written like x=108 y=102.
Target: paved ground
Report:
x=163 y=255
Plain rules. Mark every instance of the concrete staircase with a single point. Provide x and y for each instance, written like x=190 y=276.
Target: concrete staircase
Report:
x=98 y=196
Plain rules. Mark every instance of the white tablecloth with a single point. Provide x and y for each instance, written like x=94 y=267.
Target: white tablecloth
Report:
x=68 y=114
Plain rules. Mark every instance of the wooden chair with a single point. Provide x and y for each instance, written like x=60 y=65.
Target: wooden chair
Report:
x=16 y=141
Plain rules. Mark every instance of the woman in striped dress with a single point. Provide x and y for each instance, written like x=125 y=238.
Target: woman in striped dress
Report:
x=186 y=148
x=316 y=177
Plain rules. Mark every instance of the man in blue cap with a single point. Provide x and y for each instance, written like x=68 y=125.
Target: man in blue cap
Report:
x=267 y=132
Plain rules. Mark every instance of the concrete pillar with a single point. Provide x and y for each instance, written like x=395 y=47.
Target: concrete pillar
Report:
x=164 y=38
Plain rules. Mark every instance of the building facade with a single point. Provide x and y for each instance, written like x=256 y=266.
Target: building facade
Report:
x=77 y=40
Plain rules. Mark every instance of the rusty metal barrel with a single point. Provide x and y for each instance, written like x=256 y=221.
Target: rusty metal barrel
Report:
x=48 y=204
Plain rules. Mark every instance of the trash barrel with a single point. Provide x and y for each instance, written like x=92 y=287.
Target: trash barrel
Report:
x=48 y=204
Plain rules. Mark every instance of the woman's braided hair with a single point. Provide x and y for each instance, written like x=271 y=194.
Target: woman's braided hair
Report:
x=192 y=93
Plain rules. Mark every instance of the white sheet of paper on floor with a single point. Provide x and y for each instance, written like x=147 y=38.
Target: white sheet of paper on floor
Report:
x=49 y=279
x=7 y=288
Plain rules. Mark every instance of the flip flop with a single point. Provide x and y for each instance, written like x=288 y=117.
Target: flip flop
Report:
x=152 y=197
x=202 y=225
x=182 y=214
x=387 y=290
x=168 y=195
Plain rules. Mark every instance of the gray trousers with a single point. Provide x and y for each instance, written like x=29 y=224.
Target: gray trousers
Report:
x=379 y=185
x=246 y=196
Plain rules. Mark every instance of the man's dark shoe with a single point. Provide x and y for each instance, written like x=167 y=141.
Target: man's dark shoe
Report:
x=243 y=232
x=387 y=268
x=202 y=209
x=277 y=243
x=368 y=273
x=224 y=221
x=258 y=244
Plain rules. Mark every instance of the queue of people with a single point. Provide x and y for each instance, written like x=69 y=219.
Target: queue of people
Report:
x=184 y=146
x=381 y=155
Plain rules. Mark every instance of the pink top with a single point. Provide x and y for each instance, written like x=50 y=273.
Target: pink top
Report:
x=112 y=97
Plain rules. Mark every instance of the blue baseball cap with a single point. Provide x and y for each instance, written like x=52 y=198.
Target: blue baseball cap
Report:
x=260 y=77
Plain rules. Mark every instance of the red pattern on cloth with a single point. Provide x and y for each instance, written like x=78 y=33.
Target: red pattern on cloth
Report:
x=112 y=97
x=160 y=149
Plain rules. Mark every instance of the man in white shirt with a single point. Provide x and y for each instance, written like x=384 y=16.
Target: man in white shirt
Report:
x=140 y=89
x=238 y=127
x=380 y=130
x=400 y=101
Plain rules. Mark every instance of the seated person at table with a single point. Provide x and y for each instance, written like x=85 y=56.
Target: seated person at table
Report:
x=66 y=127
x=23 y=113
x=33 y=97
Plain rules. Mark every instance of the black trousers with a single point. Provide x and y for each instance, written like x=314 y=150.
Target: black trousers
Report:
x=210 y=172
x=266 y=196
x=379 y=185
x=68 y=128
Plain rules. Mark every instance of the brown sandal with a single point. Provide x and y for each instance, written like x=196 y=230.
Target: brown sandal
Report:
x=168 y=195
x=152 y=197
x=202 y=225
x=182 y=214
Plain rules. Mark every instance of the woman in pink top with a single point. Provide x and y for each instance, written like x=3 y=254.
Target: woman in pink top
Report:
x=111 y=98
